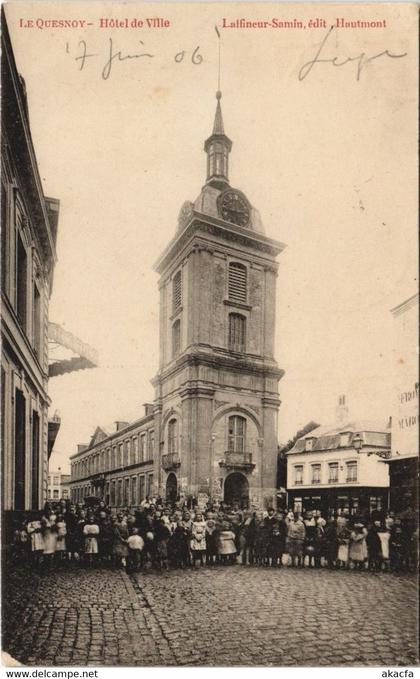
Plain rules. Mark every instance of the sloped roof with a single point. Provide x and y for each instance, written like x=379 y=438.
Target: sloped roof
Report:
x=328 y=437
x=100 y=434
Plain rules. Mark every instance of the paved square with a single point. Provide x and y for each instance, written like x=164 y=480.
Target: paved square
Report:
x=214 y=616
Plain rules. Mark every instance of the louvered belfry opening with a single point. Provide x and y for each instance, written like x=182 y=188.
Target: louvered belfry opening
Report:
x=237 y=282
x=177 y=291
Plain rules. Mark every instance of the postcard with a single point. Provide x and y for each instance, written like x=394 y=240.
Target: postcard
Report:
x=210 y=335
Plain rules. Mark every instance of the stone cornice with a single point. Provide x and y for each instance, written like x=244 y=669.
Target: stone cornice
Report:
x=219 y=228
x=128 y=469
x=243 y=364
x=270 y=402
x=196 y=391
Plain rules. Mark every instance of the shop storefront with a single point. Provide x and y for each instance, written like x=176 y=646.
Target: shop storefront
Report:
x=353 y=500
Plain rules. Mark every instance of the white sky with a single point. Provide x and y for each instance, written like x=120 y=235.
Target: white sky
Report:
x=330 y=162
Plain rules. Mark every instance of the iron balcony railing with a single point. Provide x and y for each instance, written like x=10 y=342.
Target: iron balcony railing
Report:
x=237 y=459
x=170 y=461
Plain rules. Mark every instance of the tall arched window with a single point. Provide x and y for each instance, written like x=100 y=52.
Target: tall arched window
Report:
x=176 y=292
x=237 y=284
x=176 y=338
x=237 y=332
x=173 y=436
x=236 y=434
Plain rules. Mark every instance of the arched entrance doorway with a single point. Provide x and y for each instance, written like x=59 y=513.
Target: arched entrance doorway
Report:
x=171 y=488
x=236 y=489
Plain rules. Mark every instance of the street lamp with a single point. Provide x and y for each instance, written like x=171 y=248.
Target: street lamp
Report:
x=357 y=442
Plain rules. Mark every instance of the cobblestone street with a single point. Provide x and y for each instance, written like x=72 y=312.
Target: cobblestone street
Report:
x=219 y=616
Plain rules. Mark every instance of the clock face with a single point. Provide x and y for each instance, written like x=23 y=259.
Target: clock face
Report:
x=233 y=207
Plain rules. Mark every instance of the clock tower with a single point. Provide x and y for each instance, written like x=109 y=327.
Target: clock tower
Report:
x=216 y=391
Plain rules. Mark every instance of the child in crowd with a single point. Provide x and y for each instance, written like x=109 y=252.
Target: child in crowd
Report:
x=211 y=540
x=34 y=529
x=162 y=535
x=60 y=547
x=343 y=539
x=91 y=532
x=135 y=547
x=198 y=539
x=358 y=549
x=226 y=544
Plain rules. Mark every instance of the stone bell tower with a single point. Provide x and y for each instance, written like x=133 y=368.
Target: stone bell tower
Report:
x=216 y=401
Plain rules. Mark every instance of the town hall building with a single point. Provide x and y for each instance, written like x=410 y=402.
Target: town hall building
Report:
x=216 y=391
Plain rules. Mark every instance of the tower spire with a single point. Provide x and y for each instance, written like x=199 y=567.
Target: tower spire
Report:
x=218 y=145
x=218 y=119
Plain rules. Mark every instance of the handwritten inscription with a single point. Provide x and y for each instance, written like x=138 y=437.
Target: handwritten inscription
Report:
x=114 y=55
x=361 y=60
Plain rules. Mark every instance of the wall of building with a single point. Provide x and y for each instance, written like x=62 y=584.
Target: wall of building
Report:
x=28 y=258
x=118 y=467
x=405 y=415
x=58 y=485
x=371 y=470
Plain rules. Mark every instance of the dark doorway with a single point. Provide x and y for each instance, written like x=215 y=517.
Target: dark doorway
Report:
x=35 y=459
x=236 y=490
x=171 y=488
x=20 y=429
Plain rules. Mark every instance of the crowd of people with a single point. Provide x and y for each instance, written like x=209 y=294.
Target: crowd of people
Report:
x=160 y=535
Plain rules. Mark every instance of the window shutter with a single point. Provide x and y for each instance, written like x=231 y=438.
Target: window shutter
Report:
x=237 y=287
x=177 y=291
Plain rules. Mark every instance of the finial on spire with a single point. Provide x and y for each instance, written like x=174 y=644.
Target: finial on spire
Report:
x=218 y=68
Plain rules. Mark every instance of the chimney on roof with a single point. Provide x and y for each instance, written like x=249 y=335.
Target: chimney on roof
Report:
x=119 y=424
x=81 y=447
x=148 y=409
x=342 y=411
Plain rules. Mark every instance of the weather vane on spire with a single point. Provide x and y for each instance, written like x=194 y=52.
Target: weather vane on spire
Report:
x=218 y=93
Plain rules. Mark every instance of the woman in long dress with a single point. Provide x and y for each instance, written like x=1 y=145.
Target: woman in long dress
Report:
x=295 y=540
x=119 y=543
